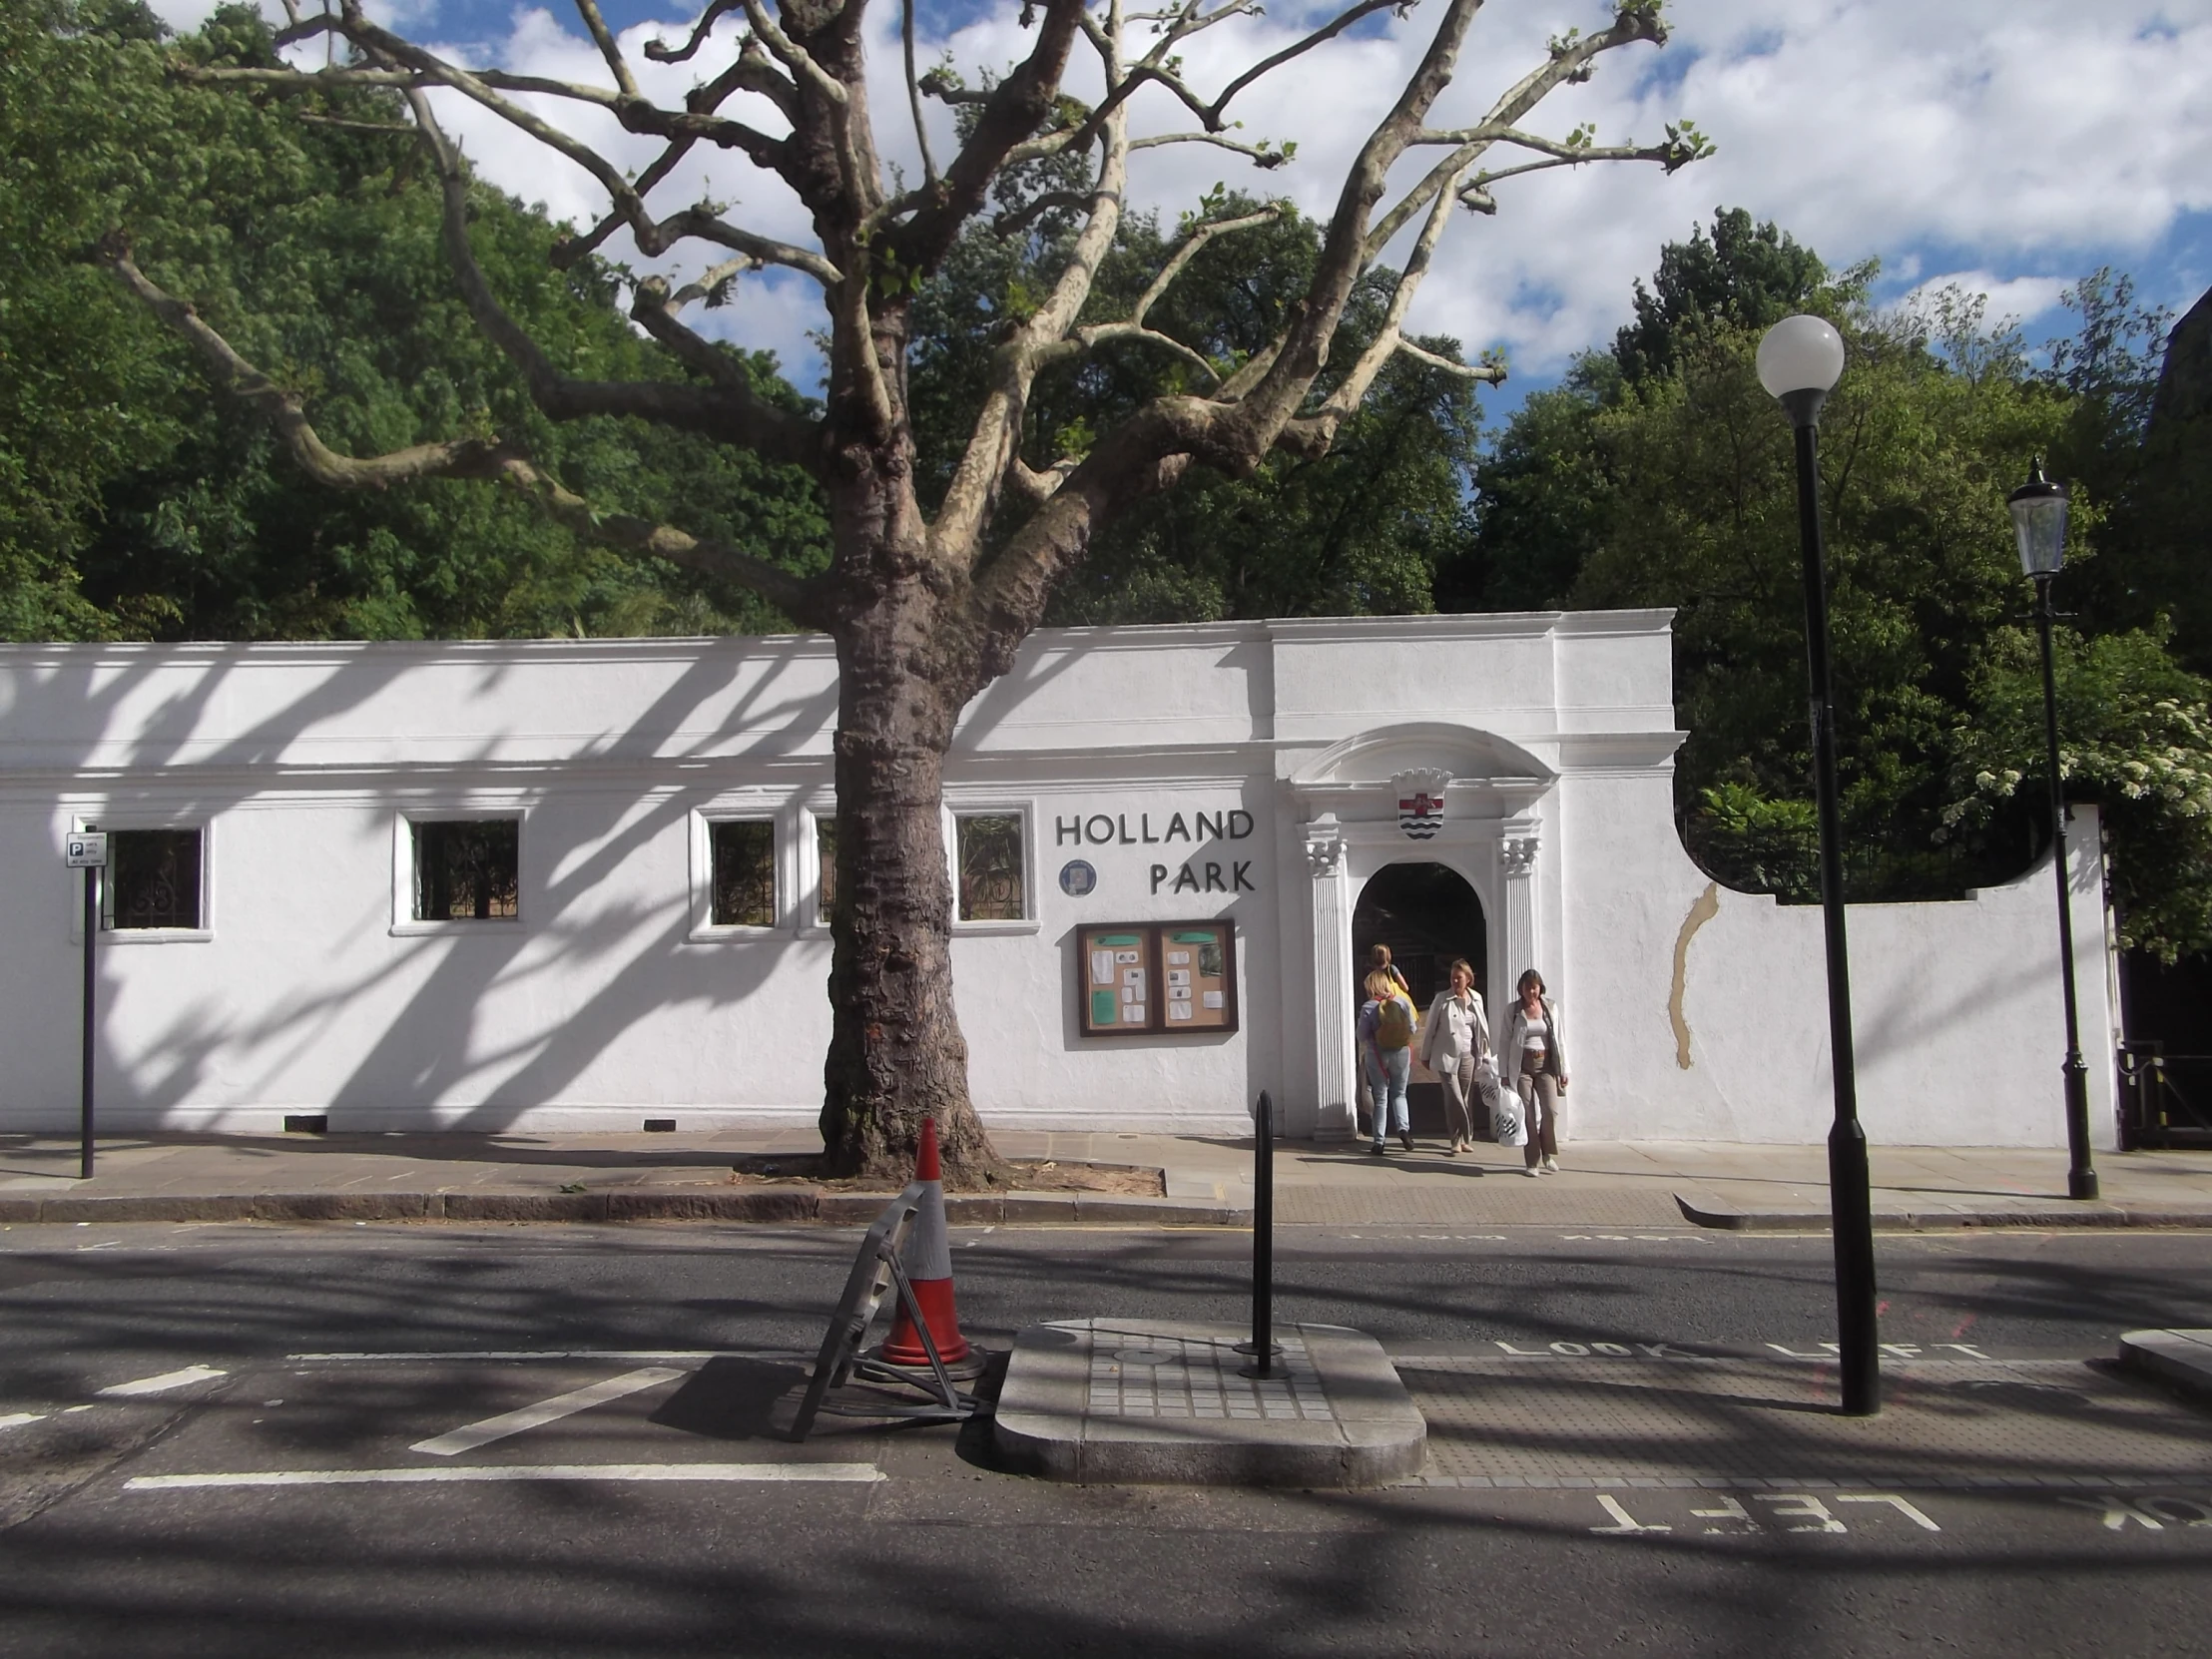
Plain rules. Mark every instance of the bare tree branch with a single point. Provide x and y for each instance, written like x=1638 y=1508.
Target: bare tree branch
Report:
x=609 y=49
x=1569 y=62
x=1262 y=155
x=1487 y=373
x=913 y=96
x=1010 y=115
x=483 y=458
x=734 y=416
x=661 y=51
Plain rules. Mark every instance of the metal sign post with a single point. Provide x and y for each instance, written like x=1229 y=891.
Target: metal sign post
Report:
x=87 y=850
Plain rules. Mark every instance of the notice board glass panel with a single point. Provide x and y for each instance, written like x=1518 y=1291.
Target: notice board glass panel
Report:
x=1145 y=978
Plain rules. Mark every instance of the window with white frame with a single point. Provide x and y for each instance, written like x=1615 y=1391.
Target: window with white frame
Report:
x=826 y=867
x=466 y=869
x=990 y=867
x=155 y=881
x=741 y=863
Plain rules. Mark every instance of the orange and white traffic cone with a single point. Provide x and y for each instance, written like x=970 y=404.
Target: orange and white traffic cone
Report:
x=928 y=1262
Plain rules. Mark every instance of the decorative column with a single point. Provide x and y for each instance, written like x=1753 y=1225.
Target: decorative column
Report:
x=1334 y=1075
x=1517 y=859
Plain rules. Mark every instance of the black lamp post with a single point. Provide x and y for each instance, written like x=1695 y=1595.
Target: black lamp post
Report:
x=1799 y=358
x=2040 y=521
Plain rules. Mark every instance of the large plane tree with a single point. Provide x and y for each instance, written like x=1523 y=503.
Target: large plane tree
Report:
x=925 y=609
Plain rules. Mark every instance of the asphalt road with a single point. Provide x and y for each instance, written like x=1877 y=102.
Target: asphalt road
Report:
x=133 y=1522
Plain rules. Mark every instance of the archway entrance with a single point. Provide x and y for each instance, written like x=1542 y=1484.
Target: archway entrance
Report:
x=1427 y=914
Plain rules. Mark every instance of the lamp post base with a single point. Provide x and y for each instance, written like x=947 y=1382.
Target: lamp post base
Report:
x=1850 y=1188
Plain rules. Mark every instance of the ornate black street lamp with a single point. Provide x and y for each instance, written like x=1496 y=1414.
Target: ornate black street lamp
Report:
x=1799 y=358
x=2040 y=521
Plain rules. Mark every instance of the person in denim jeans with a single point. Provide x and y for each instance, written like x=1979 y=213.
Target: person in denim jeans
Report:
x=1387 y=1067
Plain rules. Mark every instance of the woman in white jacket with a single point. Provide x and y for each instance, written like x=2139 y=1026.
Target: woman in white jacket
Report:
x=1534 y=1055
x=1455 y=1036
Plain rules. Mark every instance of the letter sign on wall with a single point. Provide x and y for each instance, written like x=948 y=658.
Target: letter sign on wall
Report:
x=1149 y=978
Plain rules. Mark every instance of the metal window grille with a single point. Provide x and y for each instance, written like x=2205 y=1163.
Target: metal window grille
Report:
x=991 y=887
x=742 y=854
x=466 y=869
x=153 y=878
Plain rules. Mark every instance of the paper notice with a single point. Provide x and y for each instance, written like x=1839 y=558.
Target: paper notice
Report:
x=1179 y=959
x=1128 y=955
x=1179 y=993
x=1102 y=967
x=1179 y=1010
x=1212 y=999
x=1179 y=976
x=1132 y=976
x=1132 y=1014
x=1130 y=993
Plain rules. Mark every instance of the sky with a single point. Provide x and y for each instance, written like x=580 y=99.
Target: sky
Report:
x=2009 y=146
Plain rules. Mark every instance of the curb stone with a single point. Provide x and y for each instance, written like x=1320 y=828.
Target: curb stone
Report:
x=2181 y=1358
x=1705 y=1211
x=788 y=1205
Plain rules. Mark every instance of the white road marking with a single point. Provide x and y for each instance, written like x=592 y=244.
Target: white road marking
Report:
x=16 y=1419
x=163 y=1384
x=843 y=1473
x=470 y=1435
x=366 y=1357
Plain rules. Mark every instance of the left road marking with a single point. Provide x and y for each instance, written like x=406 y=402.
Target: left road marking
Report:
x=163 y=1384
x=843 y=1473
x=469 y=1436
x=16 y=1419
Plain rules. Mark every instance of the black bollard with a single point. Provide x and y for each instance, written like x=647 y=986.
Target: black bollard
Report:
x=1263 y=1347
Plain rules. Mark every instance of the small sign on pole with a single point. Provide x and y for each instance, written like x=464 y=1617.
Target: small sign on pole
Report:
x=87 y=850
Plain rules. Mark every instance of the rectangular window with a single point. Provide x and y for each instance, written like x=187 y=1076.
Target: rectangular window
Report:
x=153 y=878
x=992 y=884
x=465 y=869
x=742 y=851
x=826 y=868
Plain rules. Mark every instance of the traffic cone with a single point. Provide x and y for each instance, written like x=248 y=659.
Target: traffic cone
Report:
x=928 y=1262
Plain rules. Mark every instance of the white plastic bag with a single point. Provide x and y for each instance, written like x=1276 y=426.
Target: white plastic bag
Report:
x=1508 y=1118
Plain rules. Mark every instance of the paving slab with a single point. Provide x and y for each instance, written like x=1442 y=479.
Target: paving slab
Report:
x=2180 y=1358
x=1157 y=1401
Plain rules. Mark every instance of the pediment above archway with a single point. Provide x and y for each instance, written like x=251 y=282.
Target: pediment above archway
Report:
x=1493 y=773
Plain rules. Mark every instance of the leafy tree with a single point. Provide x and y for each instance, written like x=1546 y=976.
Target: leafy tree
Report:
x=130 y=506
x=1545 y=491
x=927 y=597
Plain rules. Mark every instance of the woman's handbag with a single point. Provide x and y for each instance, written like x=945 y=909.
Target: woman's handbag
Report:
x=1509 y=1119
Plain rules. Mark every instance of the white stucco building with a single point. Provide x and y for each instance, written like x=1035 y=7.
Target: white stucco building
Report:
x=575 y=884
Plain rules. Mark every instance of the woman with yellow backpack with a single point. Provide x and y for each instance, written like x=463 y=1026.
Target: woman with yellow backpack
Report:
x=1386 y=1022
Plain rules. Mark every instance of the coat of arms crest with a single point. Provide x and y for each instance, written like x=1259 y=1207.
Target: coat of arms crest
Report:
x=1420 y=802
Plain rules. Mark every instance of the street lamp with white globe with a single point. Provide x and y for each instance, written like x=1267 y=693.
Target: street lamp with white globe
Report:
x=1800 y=361
x=2039 y=523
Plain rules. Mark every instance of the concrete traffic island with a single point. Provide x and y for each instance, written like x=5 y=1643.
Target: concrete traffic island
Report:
x=1111 y=1401
x=2181 y=1358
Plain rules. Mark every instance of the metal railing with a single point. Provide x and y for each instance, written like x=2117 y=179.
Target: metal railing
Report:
x=2166 y=1099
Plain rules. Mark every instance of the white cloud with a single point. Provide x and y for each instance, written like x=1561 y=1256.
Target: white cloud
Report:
x=2014 y=300
x=2020 y=142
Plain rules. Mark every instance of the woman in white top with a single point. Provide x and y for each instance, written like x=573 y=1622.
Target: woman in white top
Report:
x=1453 y=1037
x=1533 y=1052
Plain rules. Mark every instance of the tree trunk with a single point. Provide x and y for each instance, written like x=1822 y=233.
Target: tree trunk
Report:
x=897 y=1054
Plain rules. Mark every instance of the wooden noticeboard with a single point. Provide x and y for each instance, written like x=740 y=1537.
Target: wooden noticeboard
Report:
x=1151 y=977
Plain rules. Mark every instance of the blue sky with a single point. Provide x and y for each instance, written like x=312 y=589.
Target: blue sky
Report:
x=2012 y=145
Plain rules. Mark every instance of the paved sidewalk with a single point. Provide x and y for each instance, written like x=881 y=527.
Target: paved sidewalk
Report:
x=476 y=1177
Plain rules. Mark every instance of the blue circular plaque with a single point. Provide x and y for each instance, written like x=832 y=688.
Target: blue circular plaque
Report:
x=1077 y=877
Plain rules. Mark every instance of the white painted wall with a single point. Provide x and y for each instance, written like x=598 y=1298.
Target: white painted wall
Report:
x=606 y=1000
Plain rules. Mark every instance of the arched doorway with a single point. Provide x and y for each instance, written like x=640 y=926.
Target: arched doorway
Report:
x=1427 y=914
